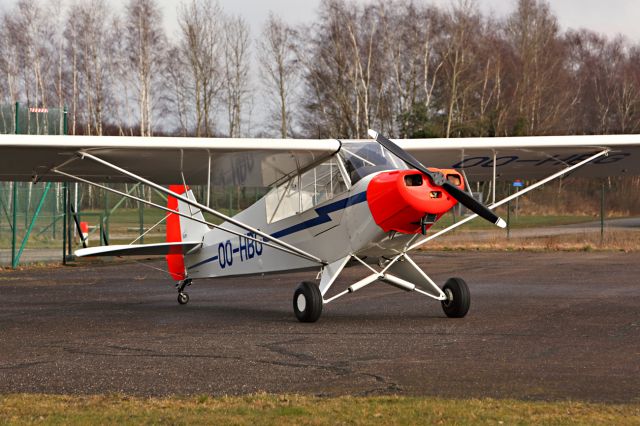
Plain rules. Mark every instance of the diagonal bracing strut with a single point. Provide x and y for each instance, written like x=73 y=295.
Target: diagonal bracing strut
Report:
x=268 y=240
x=387 y=278
x=495 y=205
x=384 y=274
x=192 y=203
x=158 y=206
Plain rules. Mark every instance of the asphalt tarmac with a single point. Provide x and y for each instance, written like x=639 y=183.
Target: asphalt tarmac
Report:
x=548 y=326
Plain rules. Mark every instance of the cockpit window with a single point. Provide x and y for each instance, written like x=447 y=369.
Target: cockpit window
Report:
x=305 y=191
x=364 y=158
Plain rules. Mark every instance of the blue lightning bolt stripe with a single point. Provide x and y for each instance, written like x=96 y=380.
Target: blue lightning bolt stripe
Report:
x=323 y=215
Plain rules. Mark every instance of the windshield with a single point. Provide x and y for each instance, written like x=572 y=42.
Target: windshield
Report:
x=364 y=158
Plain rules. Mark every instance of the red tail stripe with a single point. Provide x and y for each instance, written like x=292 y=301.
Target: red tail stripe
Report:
x=175 y=262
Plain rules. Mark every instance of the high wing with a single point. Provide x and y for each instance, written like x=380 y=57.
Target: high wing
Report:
x=528 y=157
x=164 y=160
x=263 y=162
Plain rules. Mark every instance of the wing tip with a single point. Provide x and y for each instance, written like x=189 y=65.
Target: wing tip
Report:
x=501 y=223
x=372 y=133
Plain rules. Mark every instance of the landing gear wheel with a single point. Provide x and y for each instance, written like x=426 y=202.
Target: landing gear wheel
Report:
x=458 y=298
x=307 y=302
x=183 y=298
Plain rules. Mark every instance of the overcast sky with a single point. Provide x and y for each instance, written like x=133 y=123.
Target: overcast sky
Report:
x=610 y=17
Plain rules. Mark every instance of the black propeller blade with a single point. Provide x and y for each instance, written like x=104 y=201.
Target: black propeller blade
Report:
x=440 y=180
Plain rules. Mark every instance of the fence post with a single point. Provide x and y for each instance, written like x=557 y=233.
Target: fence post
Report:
x=14 y=231
x=141 y=215
x=54 y=210
x=602 y=189
x=16 y=122
x=509 y=214
x=65 y=187
x=102 y=235
x=1 y=208
x=65 y=123
x=27 y=206
x=107 y=214
x=14 y=197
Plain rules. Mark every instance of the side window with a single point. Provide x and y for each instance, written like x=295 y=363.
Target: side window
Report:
x=283 y=201
x=305 y=191
x=323 y=183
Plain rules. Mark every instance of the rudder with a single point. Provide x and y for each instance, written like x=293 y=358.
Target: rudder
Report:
x=181 y=228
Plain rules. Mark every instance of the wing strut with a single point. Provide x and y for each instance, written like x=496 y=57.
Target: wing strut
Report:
x=392 y=271
x=509 y=198
x=158 y=206
x=195 y=204
x=495 y=205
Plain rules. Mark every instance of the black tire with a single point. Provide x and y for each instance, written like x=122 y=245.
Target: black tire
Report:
x=307 y=302
x=183 y=298
x=459 y=298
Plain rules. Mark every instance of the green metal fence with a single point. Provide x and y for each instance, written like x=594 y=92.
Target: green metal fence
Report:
x=24 y=120
x=41 y=222
x=31 y=215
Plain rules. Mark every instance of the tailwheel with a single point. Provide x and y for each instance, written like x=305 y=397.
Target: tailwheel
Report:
x=458 y=298
x=183 y=298
x=307 y=302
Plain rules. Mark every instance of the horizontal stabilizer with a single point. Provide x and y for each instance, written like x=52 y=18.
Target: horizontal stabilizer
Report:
x=160 y=249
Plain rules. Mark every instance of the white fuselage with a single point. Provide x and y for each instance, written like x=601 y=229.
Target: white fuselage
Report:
x=331 y=230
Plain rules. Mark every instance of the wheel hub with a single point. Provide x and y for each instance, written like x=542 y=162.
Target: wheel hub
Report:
x=301 y=302
x=449 y=299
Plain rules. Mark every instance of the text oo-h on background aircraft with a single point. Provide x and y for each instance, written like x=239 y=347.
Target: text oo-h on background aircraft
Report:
x=332 y=203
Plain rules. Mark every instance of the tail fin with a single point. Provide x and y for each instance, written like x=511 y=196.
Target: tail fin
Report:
x=180 y=228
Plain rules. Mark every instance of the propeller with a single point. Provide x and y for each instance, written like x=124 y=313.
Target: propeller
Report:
x=440 y=180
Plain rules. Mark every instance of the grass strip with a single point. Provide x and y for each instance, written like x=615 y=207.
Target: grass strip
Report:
x=295 y=409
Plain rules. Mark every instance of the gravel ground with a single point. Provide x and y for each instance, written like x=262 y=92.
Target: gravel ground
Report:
x=549 y=326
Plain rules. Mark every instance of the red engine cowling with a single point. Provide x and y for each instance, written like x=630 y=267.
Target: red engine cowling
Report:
x=399 y=199
x=175 y=262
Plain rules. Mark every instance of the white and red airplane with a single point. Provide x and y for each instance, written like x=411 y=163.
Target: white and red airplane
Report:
x=332 y=203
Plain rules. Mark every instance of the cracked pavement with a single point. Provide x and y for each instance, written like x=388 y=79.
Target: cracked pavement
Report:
x=544 y=326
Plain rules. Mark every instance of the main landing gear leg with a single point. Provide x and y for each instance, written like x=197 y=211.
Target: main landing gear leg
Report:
x=183 y=298
x=403 y=273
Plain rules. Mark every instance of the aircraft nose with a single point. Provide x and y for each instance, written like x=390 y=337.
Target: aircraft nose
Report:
x=399 y=199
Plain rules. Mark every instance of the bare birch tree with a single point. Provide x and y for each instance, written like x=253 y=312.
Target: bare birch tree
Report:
x=90 y=40
x=236 y=75
x=201 y=42
x=146 y=40
x=540 y=100
x=28 y=29
x=279 y=71
x=57 y=45
x=9 y=65
x=180 y=91
x=72 y=35
x=412 y=33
